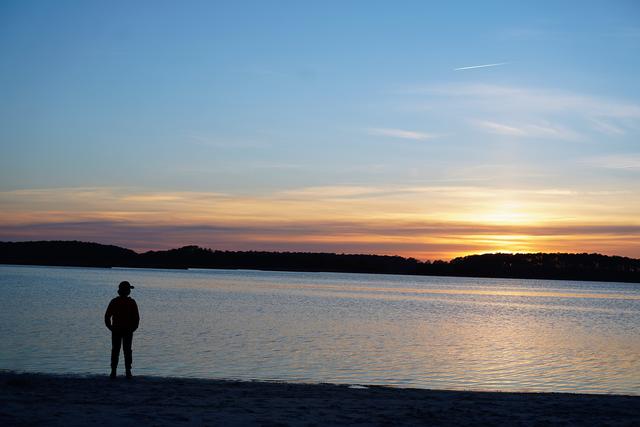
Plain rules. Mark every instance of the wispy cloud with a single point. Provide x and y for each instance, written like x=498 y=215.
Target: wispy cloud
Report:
x=400 y=133
x=607 y=128
x=528 y=112
x=470 y=67
x=338 y=191
x=499 y=128
x=528 y=99
x=527 y=130
x=630 y=162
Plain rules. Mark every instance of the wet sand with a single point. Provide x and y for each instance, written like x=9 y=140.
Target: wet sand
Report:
x=56 y=400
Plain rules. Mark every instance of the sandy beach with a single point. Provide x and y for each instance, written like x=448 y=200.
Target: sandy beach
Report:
x=39 y=399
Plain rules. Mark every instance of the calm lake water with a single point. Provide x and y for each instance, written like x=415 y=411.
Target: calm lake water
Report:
x=407 y=331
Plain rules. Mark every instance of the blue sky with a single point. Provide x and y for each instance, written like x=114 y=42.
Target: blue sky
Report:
x=321 y=101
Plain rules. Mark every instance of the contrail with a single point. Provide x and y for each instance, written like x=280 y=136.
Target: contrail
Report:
x=480 y=66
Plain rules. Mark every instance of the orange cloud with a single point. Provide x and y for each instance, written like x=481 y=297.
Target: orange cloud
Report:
x=423 y=222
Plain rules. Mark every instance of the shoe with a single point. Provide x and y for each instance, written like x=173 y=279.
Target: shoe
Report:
x=113 y=374
x=129 y=374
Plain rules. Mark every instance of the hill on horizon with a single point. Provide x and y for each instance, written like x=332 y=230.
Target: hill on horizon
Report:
x=565 y=266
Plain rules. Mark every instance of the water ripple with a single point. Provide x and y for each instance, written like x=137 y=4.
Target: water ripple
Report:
x=404 y=331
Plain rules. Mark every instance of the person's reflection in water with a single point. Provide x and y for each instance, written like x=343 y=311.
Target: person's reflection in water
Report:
x=122 y=319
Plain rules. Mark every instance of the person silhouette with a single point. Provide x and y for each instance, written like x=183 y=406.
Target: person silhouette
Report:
x=122 y=319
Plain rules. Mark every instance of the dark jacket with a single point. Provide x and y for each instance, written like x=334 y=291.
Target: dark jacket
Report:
x=122 y=314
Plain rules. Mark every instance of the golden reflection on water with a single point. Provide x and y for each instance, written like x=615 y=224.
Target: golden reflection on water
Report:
x=492 y=292
x=407 y=292
x=496 y=352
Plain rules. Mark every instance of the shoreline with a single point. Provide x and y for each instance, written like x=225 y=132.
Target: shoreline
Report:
x=74 y=400
x=526 y=265
x=240 y=270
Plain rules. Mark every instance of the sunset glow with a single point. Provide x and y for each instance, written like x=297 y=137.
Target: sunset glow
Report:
x=392 y=221
x=261 y=129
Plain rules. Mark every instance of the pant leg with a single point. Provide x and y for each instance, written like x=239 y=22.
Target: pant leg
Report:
x=127 y=339
x=116 y=339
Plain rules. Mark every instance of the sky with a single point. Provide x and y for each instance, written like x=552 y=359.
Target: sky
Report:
x=422 y=129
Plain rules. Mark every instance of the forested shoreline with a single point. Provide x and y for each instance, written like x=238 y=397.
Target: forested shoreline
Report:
x=563 y=266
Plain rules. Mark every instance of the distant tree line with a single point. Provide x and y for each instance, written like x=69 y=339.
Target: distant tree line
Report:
x=527 y=265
